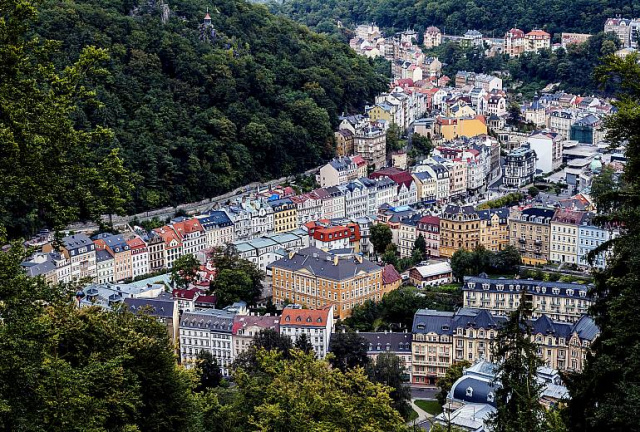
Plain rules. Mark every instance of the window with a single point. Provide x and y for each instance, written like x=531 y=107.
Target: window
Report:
x=469 y=392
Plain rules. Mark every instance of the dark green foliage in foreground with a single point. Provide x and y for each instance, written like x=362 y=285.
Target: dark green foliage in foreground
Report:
x=607 y=393
x=197 y=114
x=518 y=406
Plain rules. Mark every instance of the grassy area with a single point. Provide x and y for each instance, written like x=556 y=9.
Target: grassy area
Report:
x=412 y=416
x=430 y=406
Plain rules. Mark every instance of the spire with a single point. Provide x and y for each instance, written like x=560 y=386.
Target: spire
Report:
x=207 y=18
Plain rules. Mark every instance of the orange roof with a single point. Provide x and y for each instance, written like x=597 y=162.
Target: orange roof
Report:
x=538 y=33
x=305 y=317
x=168 y=234
x=136 y=243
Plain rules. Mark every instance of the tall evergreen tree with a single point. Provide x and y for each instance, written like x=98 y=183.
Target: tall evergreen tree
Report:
x=606 y=395
x=518 y=406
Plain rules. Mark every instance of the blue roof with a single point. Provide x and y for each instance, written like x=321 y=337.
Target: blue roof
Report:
x=214 y=219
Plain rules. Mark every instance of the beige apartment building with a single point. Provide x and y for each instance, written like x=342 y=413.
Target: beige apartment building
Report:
x=443 y=338
x=559 y=301
x=531 y=233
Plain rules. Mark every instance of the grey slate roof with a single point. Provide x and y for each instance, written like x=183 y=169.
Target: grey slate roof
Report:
x=321 y=264
x=532 y=286
x=397 y=342
x=215 y=320
x=158 y=307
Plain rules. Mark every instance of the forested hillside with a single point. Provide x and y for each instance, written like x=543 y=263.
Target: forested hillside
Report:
x=456 y=16
x=198 y=110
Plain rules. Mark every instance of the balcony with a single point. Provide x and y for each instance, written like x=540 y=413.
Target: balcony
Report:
x=522 y=241
x=537 y=242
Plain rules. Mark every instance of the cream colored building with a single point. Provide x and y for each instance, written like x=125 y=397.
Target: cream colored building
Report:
x=559 y=301
x=442 y=338
x=494 y=228
x=564 y=236
x=531 y=233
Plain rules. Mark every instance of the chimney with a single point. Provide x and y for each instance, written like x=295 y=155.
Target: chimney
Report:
x=335 y=260
x=291 y=254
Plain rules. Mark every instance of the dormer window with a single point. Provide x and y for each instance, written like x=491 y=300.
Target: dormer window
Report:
x=569 y=292
x=485 y=286
x=471 y=285
x=555 y=291
x=490 y=397
x=500 y=287
x=469 y=392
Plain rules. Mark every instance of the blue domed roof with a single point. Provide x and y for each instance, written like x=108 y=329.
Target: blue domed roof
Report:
x=474 y=390
x=596 y=164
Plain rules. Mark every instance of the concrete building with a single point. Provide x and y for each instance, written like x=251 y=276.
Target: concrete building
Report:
x=246 y=327
x=207 y=330
x=459 y=229
x=139 y=257
x=564 y=236
x=494 y=228
x=548 y=148
x=338 y=171
x=80 y=252
x=218 y=228
x=370 y=143
x=432 y=37
x=433 y=274
x=390 y=342
x=442 y=338
x=590 y=237
x=285 y=215
x=429 y=228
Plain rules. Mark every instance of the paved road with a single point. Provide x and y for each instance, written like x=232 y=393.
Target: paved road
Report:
x=423 y=392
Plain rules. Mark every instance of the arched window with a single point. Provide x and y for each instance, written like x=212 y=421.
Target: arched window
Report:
x=470 y=391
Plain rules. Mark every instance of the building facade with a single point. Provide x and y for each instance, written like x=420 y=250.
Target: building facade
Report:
x=317 y=324
x=531 y=233
x=459 y=229
x=316 y=279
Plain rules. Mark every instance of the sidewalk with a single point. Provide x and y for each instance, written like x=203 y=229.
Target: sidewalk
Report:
x=422 y=414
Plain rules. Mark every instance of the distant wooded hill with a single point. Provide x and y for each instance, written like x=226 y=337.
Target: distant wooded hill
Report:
x=198 y=109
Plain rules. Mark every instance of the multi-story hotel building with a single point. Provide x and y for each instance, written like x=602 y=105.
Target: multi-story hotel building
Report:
x=459 y=229
x=443 y=338
x=316 y=324
x=494 y=228
x=315 y=279
x=531 y=233
x=429 y=228
x=559 y=301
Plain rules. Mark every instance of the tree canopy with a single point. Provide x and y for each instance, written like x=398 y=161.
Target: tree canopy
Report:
x=191 y=111
x=606 y=393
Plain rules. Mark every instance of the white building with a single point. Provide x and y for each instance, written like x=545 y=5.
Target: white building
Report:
x=207 y=330
x=317 y=324
x=338 y=171
x=548 y=148
x=218 y=228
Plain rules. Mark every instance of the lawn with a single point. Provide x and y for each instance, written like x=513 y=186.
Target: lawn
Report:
x=412 y=416
x=430 y=406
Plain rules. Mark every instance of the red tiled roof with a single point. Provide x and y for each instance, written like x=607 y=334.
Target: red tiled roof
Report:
x=136 y=243
x=188 y=294
x=264 y=322
x=358 y=160
x=430 y=220
x=390 y=275
x=305 y=317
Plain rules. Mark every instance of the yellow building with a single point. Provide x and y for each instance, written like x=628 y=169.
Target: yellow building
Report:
x=443 y=338
x=494 y=228
x=450 y=128
x=531 y=234
x=314 y=278
x=381 y=112
x=285 y=215
x=459 y=229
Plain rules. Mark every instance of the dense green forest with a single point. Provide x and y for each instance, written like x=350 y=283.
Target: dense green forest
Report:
x=199 y=110
x=457 y=16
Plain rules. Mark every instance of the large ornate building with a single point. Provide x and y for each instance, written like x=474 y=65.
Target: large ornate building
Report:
x=560 y=301
x=459 y=229
x=442 y=338
x=314 y=278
